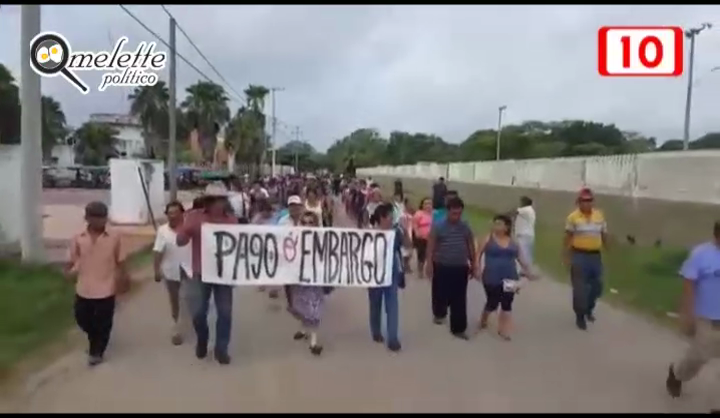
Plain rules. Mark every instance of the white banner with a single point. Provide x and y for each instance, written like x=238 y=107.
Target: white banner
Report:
x=279 y=255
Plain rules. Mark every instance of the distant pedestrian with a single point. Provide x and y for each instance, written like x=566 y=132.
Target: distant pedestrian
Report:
x=439 y=193
x=308 y=301
x=585 y=238
x=499 y=274
x=450 y=263
x=422 y=222
x=525 y=229
x=199 y=293
x=172 y=263
x=97 y=266
x=699 y=314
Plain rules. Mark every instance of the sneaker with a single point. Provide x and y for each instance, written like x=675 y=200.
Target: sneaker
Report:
x=590 y=317
x=201 y=350
x=673 y=384
x=438 y=321
x=394 y=346
x=222 y=358
x=94 y=360
x=378 y=338
x=580 y=322
x=299 y=336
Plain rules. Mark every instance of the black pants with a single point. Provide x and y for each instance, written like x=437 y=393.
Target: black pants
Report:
x=420 y=245
x=95 y=318
x=496 y=296
x=449 y=290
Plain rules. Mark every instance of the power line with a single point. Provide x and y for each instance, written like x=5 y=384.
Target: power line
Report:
x=179 y=26
x=190 y=64
x=159 y=38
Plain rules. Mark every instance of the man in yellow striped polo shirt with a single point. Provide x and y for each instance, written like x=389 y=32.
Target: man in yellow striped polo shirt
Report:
x=585 y=238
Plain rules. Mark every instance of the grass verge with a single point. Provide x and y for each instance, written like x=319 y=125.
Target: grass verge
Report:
x=36 y=308
x=641 y=278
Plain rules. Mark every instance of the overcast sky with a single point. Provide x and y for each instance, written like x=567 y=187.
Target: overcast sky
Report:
x=439 y=69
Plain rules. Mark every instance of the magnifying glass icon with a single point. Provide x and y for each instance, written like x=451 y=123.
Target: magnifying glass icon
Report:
x=49 y=56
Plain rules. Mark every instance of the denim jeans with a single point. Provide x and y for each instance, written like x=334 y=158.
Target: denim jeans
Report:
x=198 y=294
x=376 y=296
x=586 y=279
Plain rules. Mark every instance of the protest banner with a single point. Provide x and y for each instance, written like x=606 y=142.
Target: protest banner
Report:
x=278 y=255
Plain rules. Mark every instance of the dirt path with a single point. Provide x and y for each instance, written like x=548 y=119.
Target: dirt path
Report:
x=617 y=366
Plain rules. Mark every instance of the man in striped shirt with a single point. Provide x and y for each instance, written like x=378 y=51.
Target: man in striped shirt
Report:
x=451 y=261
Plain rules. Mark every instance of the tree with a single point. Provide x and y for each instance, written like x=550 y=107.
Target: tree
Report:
x=207 y=106
x=95 y=143
x=256 y=105
x=150 y=105
x=54 y=125
x=9 y=108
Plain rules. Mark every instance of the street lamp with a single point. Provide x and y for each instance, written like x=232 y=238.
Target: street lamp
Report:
x=501 y=109
x=690 y=34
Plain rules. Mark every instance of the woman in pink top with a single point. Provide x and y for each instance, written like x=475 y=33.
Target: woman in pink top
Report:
x=422 y=222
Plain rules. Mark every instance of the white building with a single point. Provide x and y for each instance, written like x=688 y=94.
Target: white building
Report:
x=130 y=138
x=63 y=155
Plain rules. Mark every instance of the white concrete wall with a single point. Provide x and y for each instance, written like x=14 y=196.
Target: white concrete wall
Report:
x=127 y=199
x=10 y=219
x=690 y=176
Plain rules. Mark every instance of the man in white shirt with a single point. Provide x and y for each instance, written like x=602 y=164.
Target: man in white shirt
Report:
x=172 y=263
x=525 y=228
x=240 y=202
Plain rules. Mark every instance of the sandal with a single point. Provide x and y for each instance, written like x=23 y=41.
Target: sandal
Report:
x=505 y=337
x=316 y=350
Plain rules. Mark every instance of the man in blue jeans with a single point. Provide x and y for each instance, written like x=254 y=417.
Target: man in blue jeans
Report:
x=383 y=219
x=214 y=210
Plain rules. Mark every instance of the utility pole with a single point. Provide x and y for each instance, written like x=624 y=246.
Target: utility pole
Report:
x=274 y=129
x=501 y=109
x=297 y=134
x=691 y=33
x=31 y=239
x=172 y=129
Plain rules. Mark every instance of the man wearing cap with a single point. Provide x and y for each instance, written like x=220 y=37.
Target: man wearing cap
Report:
x=585 y=238
x=98 y=269
x=215 y=210
x=699 y=314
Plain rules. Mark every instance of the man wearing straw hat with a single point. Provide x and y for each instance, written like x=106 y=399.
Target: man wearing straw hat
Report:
x=214 y=210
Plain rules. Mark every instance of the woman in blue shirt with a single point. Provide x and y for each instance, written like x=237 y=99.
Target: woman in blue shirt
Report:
x=499 y=275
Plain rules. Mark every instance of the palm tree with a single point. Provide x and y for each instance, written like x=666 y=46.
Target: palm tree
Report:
x=256 y=103
x=95 y=143
x=207 y=105
x=9 y=108
x=150 y=105
x=54 y=125
x=242 y=134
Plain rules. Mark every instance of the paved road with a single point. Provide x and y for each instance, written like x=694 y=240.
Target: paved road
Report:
x=617 y=366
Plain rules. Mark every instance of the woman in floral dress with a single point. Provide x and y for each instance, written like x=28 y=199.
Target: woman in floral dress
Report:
x=308 y=301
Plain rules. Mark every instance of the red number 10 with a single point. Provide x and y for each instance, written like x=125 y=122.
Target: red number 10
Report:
x=642 y=51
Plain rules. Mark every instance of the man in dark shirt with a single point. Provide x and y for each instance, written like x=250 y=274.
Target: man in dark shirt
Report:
x=439 y=192
x=450 y=262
